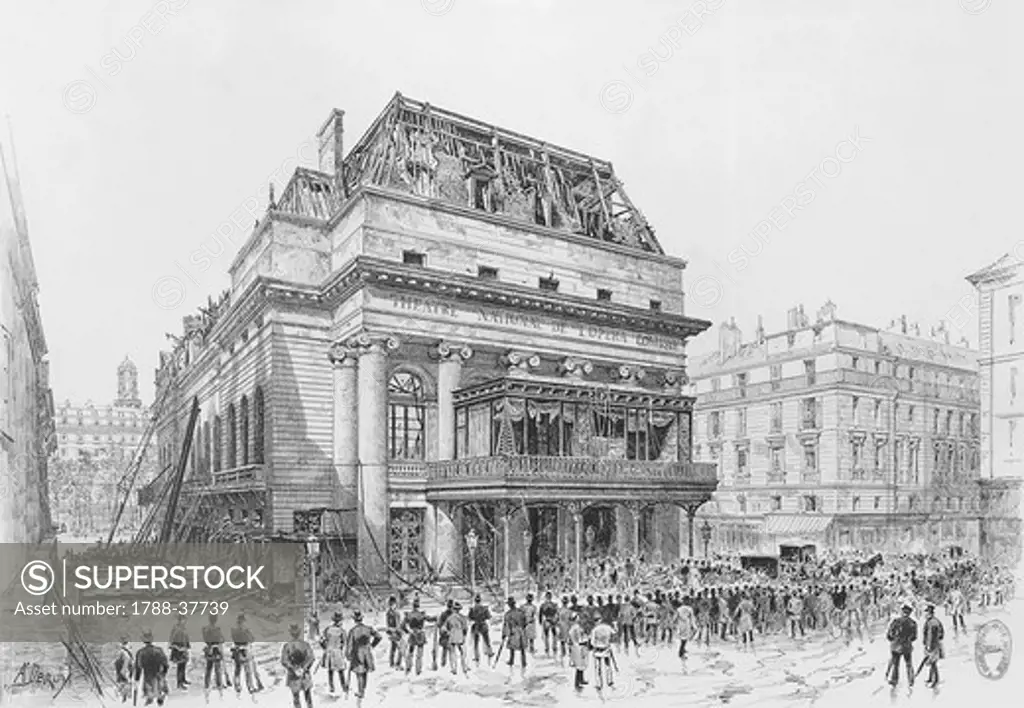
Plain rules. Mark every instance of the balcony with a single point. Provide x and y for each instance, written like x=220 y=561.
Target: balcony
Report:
x=570 y=477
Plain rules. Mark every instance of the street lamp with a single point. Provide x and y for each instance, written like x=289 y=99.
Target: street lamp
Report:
x=471 y=541
x=705 y=534
x=313 y=551
x=527 y=544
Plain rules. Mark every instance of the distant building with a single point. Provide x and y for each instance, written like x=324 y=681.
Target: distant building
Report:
x=26 y=403
x=839 y=435
x=1001 y=292
x=95 y=447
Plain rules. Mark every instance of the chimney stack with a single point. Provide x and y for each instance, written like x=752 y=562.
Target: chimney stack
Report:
x=759 y=332
x=331 y=145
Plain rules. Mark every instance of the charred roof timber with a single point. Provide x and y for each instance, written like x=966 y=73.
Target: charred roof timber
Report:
x=419 y=149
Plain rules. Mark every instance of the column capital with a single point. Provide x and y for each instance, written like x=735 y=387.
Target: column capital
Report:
x=631 y=373
x=521 y=362
x=340 y=355
x=676 y=378
x=576 y=368
x=367 y=342
x=575 y=508
x=450 y=351
x=634 y=507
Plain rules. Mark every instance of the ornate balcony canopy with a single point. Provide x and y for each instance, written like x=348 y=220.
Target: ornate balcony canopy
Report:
x=523 y=477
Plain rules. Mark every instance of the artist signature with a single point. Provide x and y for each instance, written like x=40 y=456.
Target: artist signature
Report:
x=31 y=674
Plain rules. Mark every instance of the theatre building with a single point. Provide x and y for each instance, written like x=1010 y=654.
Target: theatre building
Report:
x=451 y=348
x=832 y=434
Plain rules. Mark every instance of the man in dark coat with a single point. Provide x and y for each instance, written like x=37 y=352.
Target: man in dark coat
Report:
x=441 y=635
x=549 y=623
x=333 y=659
x=124 y=669
x=151 y=666
x=213 y=637
x=513 y=634
x=901 y=635
x=479 y=618
x=297 y=659
x=394 y=629
x=361 y=642
x=180 y=646
x=932 y=636
x=413 y=624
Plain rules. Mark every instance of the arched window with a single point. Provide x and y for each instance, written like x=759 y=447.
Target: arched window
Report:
x=257 y=426
x=243 y=437
x=218 y=442
x=406 y=417
x=232 y=438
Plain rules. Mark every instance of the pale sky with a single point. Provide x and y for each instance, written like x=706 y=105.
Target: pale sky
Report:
x=129 y=165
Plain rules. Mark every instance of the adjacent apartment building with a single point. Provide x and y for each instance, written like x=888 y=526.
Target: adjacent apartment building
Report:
x=455 y=348
x=26 y=402
x=1001 y=291
x=839 y=435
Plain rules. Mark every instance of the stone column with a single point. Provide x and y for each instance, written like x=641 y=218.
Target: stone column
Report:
x=691 y=512
x=506 y=549
x=449 y=372
x=372 y=530
x=575 y=510
x=635 y=510
x=346 y=430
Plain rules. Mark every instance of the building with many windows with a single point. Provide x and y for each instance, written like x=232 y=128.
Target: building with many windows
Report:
x=834 y=434
x=453 y=349
x=1001 y=291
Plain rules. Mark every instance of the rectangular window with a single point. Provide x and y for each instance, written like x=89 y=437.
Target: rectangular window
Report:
x=810 y=371
x=741 y=382
x=776 y=453
x=655 y=305
x=810 y=458
x=855 y=363
x=910 y=415
x=935 y=422
x=776 y=503
x=810 y=414
x=741 y=462
x=716 y=384
x=487 y=272
x=855 y=506
x=878 y=413
x=775 y=374
x=604 y=295
x=858 y=448
x=413 y=258
x=810 y=503
x=715 y=425
x=741 y=422
x=776 y=422
x=548 y=284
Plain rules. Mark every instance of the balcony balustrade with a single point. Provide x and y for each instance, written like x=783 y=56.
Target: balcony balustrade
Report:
x=246 y=474
x=407 y=469
x=569 y=469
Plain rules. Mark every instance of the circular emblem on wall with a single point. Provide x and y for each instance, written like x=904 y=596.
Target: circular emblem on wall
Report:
x=993 y=648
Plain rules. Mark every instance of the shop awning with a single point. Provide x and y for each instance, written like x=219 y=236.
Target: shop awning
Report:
x=797 y=524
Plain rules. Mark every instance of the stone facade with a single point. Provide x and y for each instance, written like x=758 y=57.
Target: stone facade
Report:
x=1001 y=310
x=839 y=435
x=26 y=402
x=432 y=358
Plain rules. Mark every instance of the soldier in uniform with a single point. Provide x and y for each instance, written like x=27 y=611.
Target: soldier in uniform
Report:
x=151 y=667
x=124 y=667
x=901 y=635
x=413 y=626
x=213 y=637
x=513 y=634
x=394 y=629
x=361 y=642
x=180 y=646
x=932 y=636
x=240 y=656
x=564 y=621
x=297 y=659
x=456 y=627
x=530 y=613
x=333 y=644
x=548 y=623
x=441 y=635
x=601 y=645
x=479 y=617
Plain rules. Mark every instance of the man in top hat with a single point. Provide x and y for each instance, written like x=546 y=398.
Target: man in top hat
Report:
x=456 y=627
x=413 y=625
x=213 y=637
x=124 y=668
x=179 y=651
x=241 y=656
x=932 y=636
x=297 y=659
x=151 y=666
x=333 y=644
x=393 y=622
x=479 y=618
x=361 y=642
x=901 y=635
x=513 y=634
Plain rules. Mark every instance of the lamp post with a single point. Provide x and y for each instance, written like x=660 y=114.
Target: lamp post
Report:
x=705 y=535
x=313 y=551
x=527 y=544
x=471 y=541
